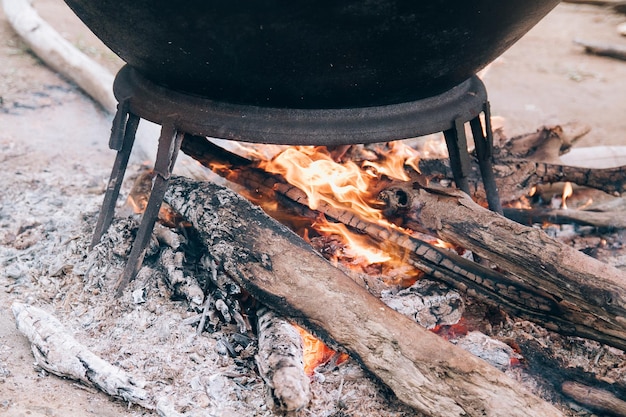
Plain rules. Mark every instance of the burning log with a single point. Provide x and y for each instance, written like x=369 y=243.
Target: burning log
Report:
x=585 y=292
x=278 y=268
x=549 y=303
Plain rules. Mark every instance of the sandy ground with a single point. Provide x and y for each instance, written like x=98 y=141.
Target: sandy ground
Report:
x=48 y=127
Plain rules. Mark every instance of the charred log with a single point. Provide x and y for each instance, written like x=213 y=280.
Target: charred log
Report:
x=588 y=293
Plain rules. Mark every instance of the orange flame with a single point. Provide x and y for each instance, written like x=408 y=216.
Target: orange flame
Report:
x=567 y=192
x=316 y=353
x=312 y=170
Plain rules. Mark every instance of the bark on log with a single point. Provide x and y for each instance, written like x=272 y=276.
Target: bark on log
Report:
x=520 y=299
x=597 y=399
x=591 y=294
x=278 y=268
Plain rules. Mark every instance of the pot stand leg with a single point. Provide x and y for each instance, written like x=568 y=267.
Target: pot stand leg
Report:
x=483 y=141
x=169 y=145
x=456 y=142
x=122 y=140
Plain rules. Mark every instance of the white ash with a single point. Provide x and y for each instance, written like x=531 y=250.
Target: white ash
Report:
x=427 y=302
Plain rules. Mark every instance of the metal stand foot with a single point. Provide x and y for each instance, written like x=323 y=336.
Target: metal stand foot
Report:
x=122 y=139
x=169 y=145
x=456 y=142
x=483 y=142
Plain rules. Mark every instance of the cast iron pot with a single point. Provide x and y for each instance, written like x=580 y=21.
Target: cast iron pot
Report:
x=310 y=53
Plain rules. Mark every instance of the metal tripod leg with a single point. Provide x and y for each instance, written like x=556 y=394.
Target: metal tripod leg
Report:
x=456 y=142
x=169 y=145
x=483 y=142
x=122 y=139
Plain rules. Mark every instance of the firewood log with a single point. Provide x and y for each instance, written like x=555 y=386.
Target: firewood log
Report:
x=278 y=268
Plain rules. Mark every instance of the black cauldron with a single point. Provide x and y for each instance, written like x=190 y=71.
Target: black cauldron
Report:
x=310 y=53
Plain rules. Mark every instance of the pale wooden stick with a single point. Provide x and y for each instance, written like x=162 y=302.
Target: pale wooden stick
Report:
x=60 y=54
x=59 y=353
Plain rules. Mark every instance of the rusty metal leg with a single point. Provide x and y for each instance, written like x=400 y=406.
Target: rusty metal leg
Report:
x=484 y=153
x=169 y=145
x=122 y=140
x=459 y=156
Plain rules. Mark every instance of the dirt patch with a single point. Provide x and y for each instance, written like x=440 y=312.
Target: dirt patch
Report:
x=53 y=147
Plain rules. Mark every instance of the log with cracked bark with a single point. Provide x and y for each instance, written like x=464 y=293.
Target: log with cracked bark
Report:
x=277 y=267
x=589 y=293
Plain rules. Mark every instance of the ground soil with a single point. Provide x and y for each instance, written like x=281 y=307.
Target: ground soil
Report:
x=50 y=130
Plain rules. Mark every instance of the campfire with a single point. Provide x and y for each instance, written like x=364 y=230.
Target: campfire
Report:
x=392 y=230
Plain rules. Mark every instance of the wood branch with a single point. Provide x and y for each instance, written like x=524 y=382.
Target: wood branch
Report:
x=524 y=300
x=59 y=54
x=603 y=49
x=280 y=361
x=594 y=398
x=59 y=353
x=564 y=216
x=589 y=293
x=278 y=268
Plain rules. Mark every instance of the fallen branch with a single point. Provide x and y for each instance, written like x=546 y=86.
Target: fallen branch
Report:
x=59 y=54
x=602 y=49
x=278 y=268
x=59 y=353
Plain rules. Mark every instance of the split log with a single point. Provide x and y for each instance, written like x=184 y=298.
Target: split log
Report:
x=59 y=353
x=527 y=300
x=280 y=361
x=278 y=268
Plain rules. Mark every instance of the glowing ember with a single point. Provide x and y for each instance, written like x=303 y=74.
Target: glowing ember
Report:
x=316 y=353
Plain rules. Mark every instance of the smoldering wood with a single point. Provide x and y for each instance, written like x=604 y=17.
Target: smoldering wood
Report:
x=57 y=352
x=277 y=267
x=524 y=161
x=587 y=293
x=280 y=361
x=526 y=300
